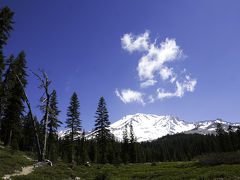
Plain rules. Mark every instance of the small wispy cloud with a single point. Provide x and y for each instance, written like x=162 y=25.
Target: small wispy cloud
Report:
x=187 y=85
x=149 y=82
x=154 y=66
x=135 y=43
x=128 y=95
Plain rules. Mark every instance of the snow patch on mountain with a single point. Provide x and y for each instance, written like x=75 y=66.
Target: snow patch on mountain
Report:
x=148 y=127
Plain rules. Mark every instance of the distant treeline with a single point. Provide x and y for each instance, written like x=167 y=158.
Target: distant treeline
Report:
x=21 y=130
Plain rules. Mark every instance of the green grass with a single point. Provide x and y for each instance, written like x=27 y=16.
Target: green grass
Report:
x=11 y=160
x=166 y=170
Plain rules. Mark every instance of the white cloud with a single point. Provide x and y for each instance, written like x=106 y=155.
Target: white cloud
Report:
x=156 y=57
x=138 y=43
x=151 y=99
x=166 y=72
x=162 y=94
x=147 y=83
x=187 y=85
x=173 y=79
x=155 y=67
x=128 y=95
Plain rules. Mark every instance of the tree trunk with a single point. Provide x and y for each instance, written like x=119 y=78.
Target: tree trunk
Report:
x=33 y=121
x=45 y=125
x=72 y=147
x=9 y=139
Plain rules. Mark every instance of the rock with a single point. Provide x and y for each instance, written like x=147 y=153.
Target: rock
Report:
x=48 y=162
x=44 y=163
x=40 y=164
x=87 y=164
x=16 y=171
x=77 y=178
x=6 y=178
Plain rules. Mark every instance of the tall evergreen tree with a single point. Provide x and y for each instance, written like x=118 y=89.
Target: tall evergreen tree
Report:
x=132 y=146
x=222 y=141
x=13 y=112
x=102 y=130
x=92 y=151
x=6 y=21
x=125 y=145
x=73 y=121
x=82 y=155
x=53 y=124
x=28 y=141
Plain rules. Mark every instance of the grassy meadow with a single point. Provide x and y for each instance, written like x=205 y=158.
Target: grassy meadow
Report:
x=13 y=160
x=165 y=170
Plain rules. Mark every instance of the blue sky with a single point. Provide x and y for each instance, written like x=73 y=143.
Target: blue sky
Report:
x=93 y=48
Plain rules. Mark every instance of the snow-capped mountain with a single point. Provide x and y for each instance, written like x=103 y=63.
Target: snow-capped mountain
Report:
x=148 y=127
x=209 y=127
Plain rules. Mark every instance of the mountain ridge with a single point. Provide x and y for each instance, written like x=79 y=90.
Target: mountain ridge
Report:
x=148 y=127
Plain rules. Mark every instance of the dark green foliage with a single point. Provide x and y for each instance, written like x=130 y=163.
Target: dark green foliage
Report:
x=28 y=140
x=53 y=124
x=81 y=153
x=73 y=121
x=6 y=21
x=125 y=146
x=14 y=100
x=92 y=151
x=219 y=158
x=102 y=130
x=132 y=146
x=103 y=176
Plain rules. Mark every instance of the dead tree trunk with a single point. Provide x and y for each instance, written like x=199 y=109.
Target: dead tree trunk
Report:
x=45 y=84
x=34 y=122
x=45 y=124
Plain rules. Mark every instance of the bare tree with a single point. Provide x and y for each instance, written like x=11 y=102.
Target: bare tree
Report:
x=44 y=84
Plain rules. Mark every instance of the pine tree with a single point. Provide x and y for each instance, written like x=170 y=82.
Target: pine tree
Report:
x=53 y=124
x=221 y=135
x=132 y=145
x=28 y=143
x=219 y=130
x=102 y=130
x=6 y=21
x=13 y=112
x=73 y=121
x=125 y=145
x=82 y=155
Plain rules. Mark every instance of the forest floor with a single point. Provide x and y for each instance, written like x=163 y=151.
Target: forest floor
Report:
x=25 y=171
x=164 y=170
x=14 y=163
x=11 y=161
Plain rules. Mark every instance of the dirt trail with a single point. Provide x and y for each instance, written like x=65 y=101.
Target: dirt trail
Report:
x=25 y=170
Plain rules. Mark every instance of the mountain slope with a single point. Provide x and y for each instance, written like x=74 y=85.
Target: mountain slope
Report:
x=148 y=127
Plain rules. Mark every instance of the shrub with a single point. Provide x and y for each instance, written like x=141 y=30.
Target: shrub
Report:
x=103 y=176
x=154 y=164
x=219 y=158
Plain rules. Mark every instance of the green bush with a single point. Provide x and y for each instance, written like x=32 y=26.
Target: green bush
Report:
x=154 y=164
x=103 y=176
